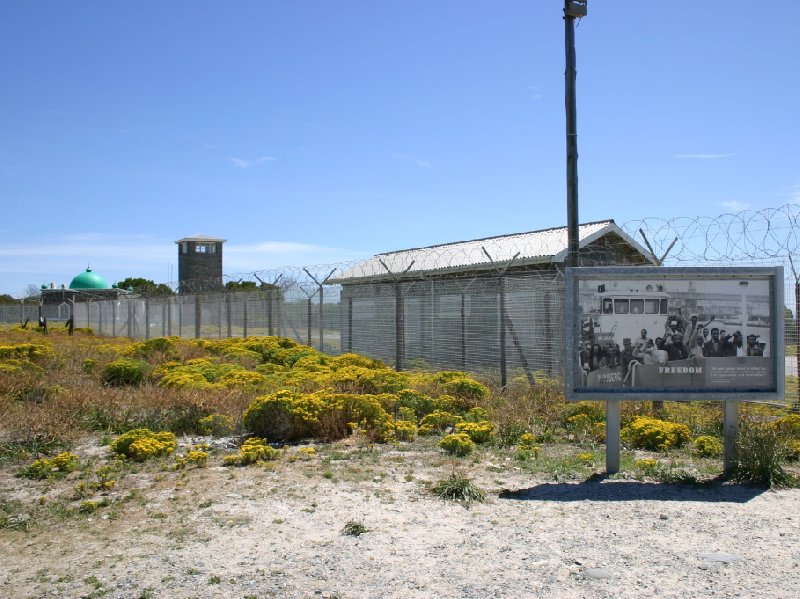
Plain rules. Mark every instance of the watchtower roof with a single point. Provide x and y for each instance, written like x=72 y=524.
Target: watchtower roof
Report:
x=202 y=238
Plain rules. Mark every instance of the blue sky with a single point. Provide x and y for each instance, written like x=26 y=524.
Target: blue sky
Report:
x=311 y=132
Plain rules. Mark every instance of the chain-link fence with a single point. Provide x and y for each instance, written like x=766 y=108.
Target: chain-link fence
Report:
x=494 y=306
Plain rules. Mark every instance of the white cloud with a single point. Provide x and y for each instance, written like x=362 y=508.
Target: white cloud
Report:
x=115 y=257
x=735 y=205
x=249 y=163
x=702 y=156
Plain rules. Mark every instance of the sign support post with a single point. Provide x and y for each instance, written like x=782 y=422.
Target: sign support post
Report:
x=612 y=436
x=730 y=431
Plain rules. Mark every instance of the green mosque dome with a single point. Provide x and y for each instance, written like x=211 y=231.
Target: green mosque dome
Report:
x=88 y=280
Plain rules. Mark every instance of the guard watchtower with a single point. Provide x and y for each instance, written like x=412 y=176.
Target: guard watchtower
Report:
x=199 y=264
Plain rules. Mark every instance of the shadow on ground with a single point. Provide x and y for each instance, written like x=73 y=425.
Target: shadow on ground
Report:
x=601 y=488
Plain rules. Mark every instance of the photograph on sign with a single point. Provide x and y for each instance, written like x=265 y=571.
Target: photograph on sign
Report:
x=682 y=331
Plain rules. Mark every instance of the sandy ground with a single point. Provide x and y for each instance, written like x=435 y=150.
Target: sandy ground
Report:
x=278 y=532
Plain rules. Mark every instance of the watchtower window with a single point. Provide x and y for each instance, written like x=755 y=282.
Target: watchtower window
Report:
x=205 y=248
x=184 y=248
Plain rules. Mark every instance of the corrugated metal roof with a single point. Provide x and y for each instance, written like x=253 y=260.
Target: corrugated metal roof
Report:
x=533 y=247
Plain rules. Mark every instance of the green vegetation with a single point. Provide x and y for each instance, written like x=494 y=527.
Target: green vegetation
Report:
x=279 y=405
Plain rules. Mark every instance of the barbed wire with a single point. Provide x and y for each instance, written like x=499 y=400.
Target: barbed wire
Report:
x=749 y=237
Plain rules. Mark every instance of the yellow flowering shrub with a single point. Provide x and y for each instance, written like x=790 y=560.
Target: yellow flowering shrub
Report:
x=650 y=433
x=329 y=415
x=788 y=426
x=708 y=446
x=466 y=388
x=355 y=360
x=10 y=367
x=26 y=351
x=438 y=421
x=586 y=458
x=794 y=450
x=242 y=378
x=479 y=432
x=527 y=447
x=141 y=444
x=196 y=457
x=405 y=430
x=457 y=444
x=252 y=451
x=357 y=379
x=62 y=464
x=184 y=378
x=646 y=465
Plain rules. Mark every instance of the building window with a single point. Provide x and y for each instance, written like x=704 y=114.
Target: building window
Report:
x=205 y=248
x=184 y=248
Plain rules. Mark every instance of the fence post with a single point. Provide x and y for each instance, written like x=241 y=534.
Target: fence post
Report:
x=244 y=319
x=502 y=302
x=270 y=330
x=399 y=327
x=131 y=316
x=147 y=319
x=321 y=321
x=350 y=325
x=308 y=321
x=730 y=431
x=228 y=315
x=198 y=316
x=463 y=331
x=114 y=318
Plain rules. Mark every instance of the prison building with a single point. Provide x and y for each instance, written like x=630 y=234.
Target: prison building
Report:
x=88 y=286
x=441 y=306
x=199 y=264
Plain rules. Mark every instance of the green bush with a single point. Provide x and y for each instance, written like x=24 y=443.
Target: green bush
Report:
x=438 y=421
x=125 y=372
x=650 y=433
x=761 y=452
x=458 y=487
x=421 y=404
x=271 y=416
x=216 y=425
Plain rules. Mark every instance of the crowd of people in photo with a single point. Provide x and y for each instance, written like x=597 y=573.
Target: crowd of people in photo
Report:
x=683 y=338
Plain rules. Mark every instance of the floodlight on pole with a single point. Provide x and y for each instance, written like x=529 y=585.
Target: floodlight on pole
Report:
x=572 y=9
